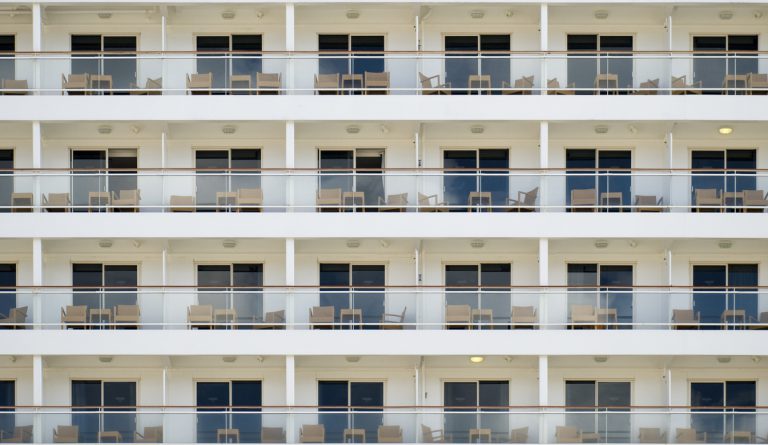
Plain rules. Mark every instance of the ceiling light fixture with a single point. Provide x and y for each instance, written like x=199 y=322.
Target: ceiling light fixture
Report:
x=383 y=129
x=259 y=14
x=477 y=129
x=353 y=243
x=353 y=129
x=601 y=129
x=228 y=129
x=106 y=359
x=105 y=243
x=725 y=15
x=632 y=129
x=725 y=244
x=352 y=358
x=632 y=243
x=477 y=243
x=601 y=14
x=229 y=359
x=724 y=359
x=104 y=15
x=477 y=359
x=104 y=129
x=229 y=243
x=601 y=244
x=477 y=13
x=135 y=129
x=353 y=14
x=228 y=15
x=509 y=13
x=725 y=131
x=600 y=358
x=757 y=14
x=384 y=243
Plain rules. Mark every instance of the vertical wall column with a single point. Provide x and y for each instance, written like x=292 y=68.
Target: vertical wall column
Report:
x=544 y=165
x=290 y=163
x=37 y=397
x=673 y=180
x=37 y=40
x=543 y=43
x=670 y=47
x=290 y=397
x=37 y=162
x=290 y=281
x=37 y=280
x=543 y=396
x=544 y=295
x=290 y=43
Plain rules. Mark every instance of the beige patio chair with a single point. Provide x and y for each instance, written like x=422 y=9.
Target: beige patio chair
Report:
x=553 y=88
x=153 y=87
x=429 y=203
x=322 y=317
x=757 y=83
x=525 y=202
x=393 y=203
x=181 y=203
x=74 y=317
x=12 y=87
x=329 y=200
x=680 y=86
x=250 y=200
x=708 y=198
x=393 y=321
x=66 y=434
x=458 y=316
x=21 y=434
x=648 y=88
x=21 y=202
x=376 y=82
x=126 y=200
x=389 y=434
x=428 y=435
x=16 y=318
x=583 y=200
x=524 y=317
x=152 y=434
x=429 y=88
x=74 y=84
x=127 y=316
x=523 y=85
x=583 y=316
x=200 y=316
x=760 y=323
x=200 y=84
x=519 y=435
x=648 y=204
x=754 y=201
x=272 y=320
x=327 y=84
x=312 y=434
x=57 y=202
x=268 y=83
x=652 y=435
x=272 y=434
x=568 y=434
x=685 y=319
x=690 y=435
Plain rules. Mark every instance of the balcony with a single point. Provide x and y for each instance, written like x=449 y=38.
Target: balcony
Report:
x=385 y=308
x=435 y=73
x=395 y=190
x=377 y=424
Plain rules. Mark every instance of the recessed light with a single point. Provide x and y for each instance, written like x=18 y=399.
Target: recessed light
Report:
x=757 y=14
x=477 y=129
x=601 y=129
x=600 y=359
x=228 y=129
x=725 y=15
x=724 y=359
x=601 y=243
x=228 y=15
x=725 y=130
x=106 y=359
x=477 y=13
x=104 y=129
x=601 y=14
x=104 y=15
x=353 y=129
x=353 y=14
x=477 y=359
x=352 y=358
x=229 y=359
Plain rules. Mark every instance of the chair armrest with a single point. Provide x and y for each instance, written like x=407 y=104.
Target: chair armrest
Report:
x=436 y=76
x=660 y=201
x=381 y=200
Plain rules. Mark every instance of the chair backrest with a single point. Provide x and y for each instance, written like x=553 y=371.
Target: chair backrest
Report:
x=530 y=197
x=23 y=433
x=524 y=311
x=327 y=80
x=314 y=431
x=323 y=311
x=18 y=314
x=566 y=433
x=329 y=193
x=679 y=82
x=524 y=82
x=763 y=317
x=645 y=200
x=271 y=434
x=650 y=435
x=153 y=433
x=706 y=193
x=68 y=431
x=129 y=194
x=201 y=309
x=250 y=193
x=582 y=309
x=758 y=77
x=201 y=78
x=58 y=199
x=397 y=200
x=650 y=83
x=127 y=309
x=424 y=200
x=376 y=76
x=275 y=317
x=77 y=310
x=753 y=195
x=77 y=78
x=155 y=84
x=12 y=84
x=583 y=194
x=180 y=200
x=426 y=81
x=269 y=79
x=390 y=433
x=685 y=435
x=426 y=434
x=553 y=83
x=683 y=315
x=458 y=310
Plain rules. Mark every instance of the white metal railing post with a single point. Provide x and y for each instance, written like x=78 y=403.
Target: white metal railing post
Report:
x=37 y=164
x=544 y=295
x=290 y=281
x=543 y=397
x=543 y=44
x=37 y=280
x=290 y=398
x=544 y=165
x=290 y=161
x=37 y=397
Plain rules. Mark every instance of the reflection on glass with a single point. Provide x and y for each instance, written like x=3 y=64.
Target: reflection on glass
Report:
x=7 y=288
x=6 y=179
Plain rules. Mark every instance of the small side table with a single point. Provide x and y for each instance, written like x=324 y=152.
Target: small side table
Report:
x=99 y=316
x=607 y=82
x=354 y=435
x=607 y=315
x=479 y=83
x=227 y=435
x=23 y=200
x=733 y=317
x=353 y=200
x=224 y=316
x=226 y=201
x=352 y=83
x=99 y=200
x=610 y=199
x=479 y=201
x=480 y=316
x=353 y=316
x=110 y=436
x=480 y=435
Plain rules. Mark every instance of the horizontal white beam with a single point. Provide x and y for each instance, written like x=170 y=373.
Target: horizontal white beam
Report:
x=417 y=2
x=387 y=108
x=384 y=225
x=387 y=343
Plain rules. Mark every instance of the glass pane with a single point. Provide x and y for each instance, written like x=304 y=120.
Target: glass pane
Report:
x=461 y=61
x=334 y=395
x=333 y=63
x=367 y=394
x=86 y=63
x=460 y=394
x=126 y=278
x=7 y=398
x=495 y=181
x=709 y=164
x=615 y=427
x=616 y=59
x=458 y=184
x=493 y=276
x=6 y=179
x=371 y=300
x=582 y=277
x=742 y=394
x=615 y=292
x=214 y=282
x=88 y=279
x=248 y=297
x=7 y=64
x=336 y=275
x=457 y=280
x=709 y=68
x=246 y=63
x=494 y=393
x=743 y=277
x=86 y=393
x=122 y=69
x=708 y=395
x=121 y=394
x=614 y=178
x=211 y=178
x=581 y=394
x=743 y=63
x=212 y=397
x=370 y=180
x=245 y=163
x=247 y=394
x=88 y=175
x=495 y=64
x=709 y=300
x=580 y=164
x=7 y=291
x=336 y=161
x=215 y=63
x=126 y=163
x=741 y=164
x=361 y=46
x=582 y=65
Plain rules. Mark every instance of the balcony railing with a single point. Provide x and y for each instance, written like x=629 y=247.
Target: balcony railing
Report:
x=386 y=72
x=384 y=308
x=376 y=424
x=384 y=190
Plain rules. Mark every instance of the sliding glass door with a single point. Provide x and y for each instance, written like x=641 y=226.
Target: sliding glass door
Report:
x=214 y=179
x=120 y=66
x=725 y=293
x=605 y=287
x=7 y=288
x=484 y=287
x=344 y=47
x=334 y=395
x=711 y=65
x=7 y=402
x=728 y=171
x=91 y=178
x=605 y=55
x=7 y=61
x=486 y=171
x=87 y=395
x=463 y=60
x=6 y=179
x=598 y=407
x=711 y=398
x=104 y=286
x=232 y=287
x=354 y=286
x=603 y=172
x=472 y=406
x=338 y=171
